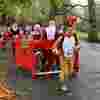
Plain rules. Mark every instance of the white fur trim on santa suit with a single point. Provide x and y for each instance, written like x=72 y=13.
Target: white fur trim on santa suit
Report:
x=51 y=31
x=36 y=26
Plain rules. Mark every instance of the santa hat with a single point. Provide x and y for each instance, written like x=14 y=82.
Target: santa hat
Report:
x=71 y=20
x=37 y=26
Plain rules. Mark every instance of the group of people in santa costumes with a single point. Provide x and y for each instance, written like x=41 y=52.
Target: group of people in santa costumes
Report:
x=65 y=51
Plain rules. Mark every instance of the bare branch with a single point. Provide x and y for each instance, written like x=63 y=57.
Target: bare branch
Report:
x=69 y=7
x=75 y=5
x=83 y=18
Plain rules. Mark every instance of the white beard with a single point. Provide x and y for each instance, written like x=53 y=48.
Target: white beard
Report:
x=51 y=31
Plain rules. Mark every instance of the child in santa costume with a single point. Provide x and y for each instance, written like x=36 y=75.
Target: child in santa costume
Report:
x=65 y=58
x=68 y=56
x=72 y=20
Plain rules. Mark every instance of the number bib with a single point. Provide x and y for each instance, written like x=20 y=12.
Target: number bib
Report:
x=68 y=52
x=68 y=47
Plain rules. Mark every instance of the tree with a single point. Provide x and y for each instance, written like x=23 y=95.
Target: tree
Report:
x=92 y=36
x=57 y=5
x=15 y=8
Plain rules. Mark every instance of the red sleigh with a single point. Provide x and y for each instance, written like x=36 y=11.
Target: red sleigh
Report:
x=26 y=58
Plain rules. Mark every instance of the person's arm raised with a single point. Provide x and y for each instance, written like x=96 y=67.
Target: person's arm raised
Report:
x=57 y=41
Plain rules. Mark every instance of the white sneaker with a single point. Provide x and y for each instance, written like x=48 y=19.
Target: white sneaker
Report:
x=64 y=88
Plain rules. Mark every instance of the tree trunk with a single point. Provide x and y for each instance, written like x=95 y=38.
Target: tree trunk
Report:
x=55 y=6
x=59 y=19
x=92 y=35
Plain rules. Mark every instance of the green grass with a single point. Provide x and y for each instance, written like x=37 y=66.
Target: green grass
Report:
x=84 y=35
x=24 y=87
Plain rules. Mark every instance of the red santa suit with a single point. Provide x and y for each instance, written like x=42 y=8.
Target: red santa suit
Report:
x=7 y=35
x=36 y=33
x=72 y=21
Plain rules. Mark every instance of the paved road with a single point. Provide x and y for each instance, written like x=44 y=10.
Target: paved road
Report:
x=86 y=87
x=90 y=70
